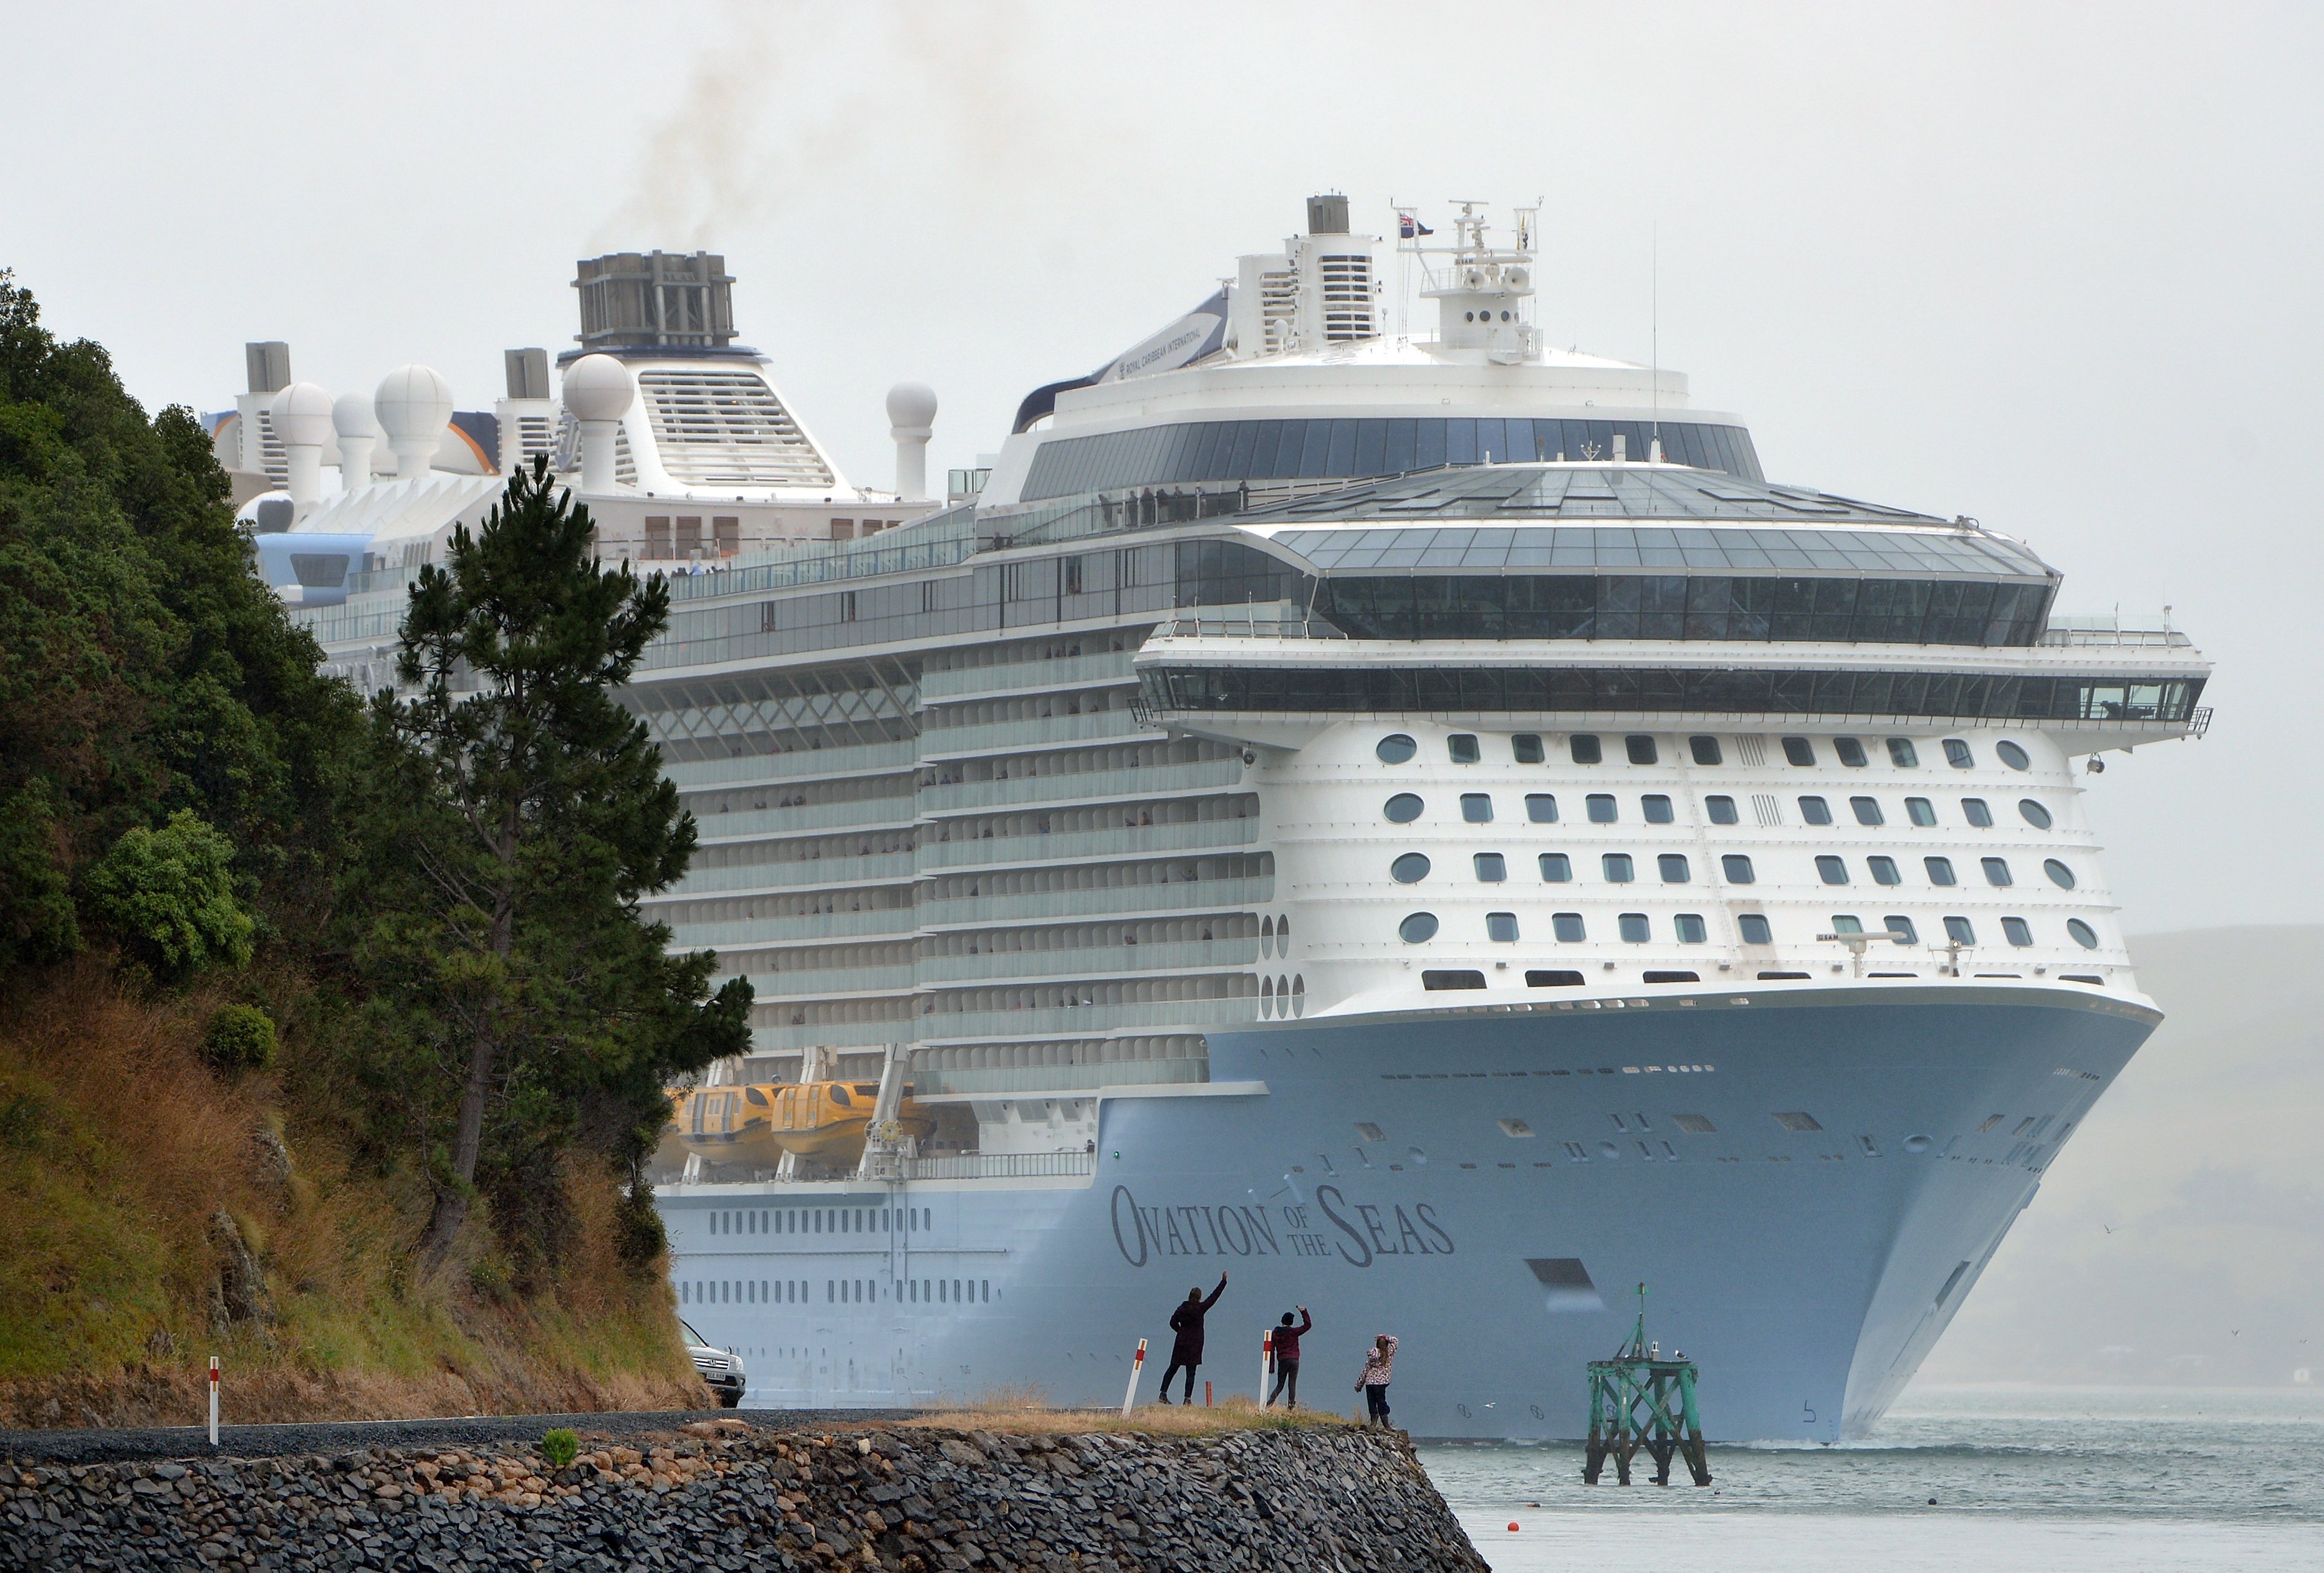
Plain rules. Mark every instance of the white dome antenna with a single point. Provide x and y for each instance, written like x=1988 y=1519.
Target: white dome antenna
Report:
x=911 y=421
x=358 y=431
x=414 y=405
x=302 y=423
x=598 y=391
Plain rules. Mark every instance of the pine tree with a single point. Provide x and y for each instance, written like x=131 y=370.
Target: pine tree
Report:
x=525 y=1004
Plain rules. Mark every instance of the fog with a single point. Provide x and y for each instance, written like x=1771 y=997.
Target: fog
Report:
x=2052 y=266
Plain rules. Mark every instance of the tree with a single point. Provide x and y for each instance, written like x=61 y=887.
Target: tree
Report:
x=524 y=814
x=168 y=895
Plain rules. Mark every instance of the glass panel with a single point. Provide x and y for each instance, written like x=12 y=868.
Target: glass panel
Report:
x=1722 y=809
x=2060 y=875
x=1690 y=928
x=1850 y=751
x=1920 y=811
x=1705 y=750
x=2033 y=813
x=1958 y=754
x=1961 y=931
x=1568 y=927
x=1640 y=750
x=1617 y=868
x=1867 y=810
x=1753 y=927
x=1737 y=869
x=2012 y=755
x=1831 y=871
x=1541 y=807
x=1674 y=870
x=1477 y=808
x=1903 y=930
x=1847 y=923
x=1401 y=445
x=1884 y=871
x=1902 y=755
x=1657 y=808
x=1491 y=868
x=1557 y=869
x=1996 y=871
x=1585 y=749
x=1372 y=447
x=1501 y=927
x=1940 y=870
x=1524 y=748
x=1463 y=747
x=2017 y=930
x=2084 y=935
x=1634 y=928
x=1976 y=813
x=1601 y=808
x=1815 y=811
x=1799 y=750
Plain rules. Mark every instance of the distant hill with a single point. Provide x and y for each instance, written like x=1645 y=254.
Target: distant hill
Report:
x=2207 y=1161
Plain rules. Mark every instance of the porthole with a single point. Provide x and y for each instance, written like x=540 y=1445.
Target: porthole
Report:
x=1282 y=936
x=2060 y=875
x=2084 y=935
x=1299 y=996
x=1267 y=997
x=2035 y=814
x=1410 y=868
x=2012 y=755
x=1417 y=929
x=1395 y=749
x=1404 y=808
x=1282 y=995
x=1266 y=933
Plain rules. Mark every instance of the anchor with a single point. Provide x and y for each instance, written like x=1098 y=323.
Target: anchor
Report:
x=1639 y=1399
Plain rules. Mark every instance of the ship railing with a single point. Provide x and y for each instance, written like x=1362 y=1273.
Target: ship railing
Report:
x=1001 y=1166
x=1212 y=622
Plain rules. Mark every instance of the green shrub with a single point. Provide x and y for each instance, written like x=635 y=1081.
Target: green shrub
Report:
x=241 y=1038
x=168 y=895
x=558 y=1446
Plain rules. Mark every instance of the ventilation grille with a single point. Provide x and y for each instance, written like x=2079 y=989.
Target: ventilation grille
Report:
x=1279 y=307
x=271 y=457
x=727 y=428
x=566 y=459
x=534 y=437
x=1347 y=297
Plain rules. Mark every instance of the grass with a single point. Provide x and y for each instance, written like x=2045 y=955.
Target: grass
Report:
x=118 y=1144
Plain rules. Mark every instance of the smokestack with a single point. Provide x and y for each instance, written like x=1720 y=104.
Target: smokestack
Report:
x=414 y=405
x=358 y=431
x=911 y=421
x=302 y=420
x=269 y=365
x=1327 y=214
x=599 y=391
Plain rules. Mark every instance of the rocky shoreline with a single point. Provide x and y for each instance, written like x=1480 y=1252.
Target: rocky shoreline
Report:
x=725 y=1495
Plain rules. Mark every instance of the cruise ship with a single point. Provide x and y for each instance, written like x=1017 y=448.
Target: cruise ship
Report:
x=1411 y=820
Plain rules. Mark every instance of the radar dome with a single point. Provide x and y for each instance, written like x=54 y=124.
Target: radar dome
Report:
x=911 y=404
x=302 y=416
x=598 y=388
x=413 y=402
x=351 y=415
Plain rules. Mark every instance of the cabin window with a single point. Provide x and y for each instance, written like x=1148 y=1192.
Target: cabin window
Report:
x=1884 y=871
x=1705 y=750
x=1395 y=749
x=1640 y=748
x=1996 y=871
x=1957 y=754
x=1524 y=748
x=1403 y=808
x=1410 y=868
x=1978 y=813
x=1921 y=812
x=1815 y=811
x=1902 y=754
x=1800 y=751
x=1501 y=927
x=1657 y=808
x=1568 y=928
x=1961 y=931
x=1673 y=866
x=1634 y=928
x=1477 y=808
x=1831 y=871
x=2012 y=755
x=1617 y=868
x=1736 y=868
x=2084 y=935
x=1601 y=808
x=1462 y=748
x=2060 y=875
x=1690 y=928
x=1867 y=810
x=1940 y=870
x=1541 y=807
x=1417 y=929
x=2033 y=813
x=1585 y=749
x=1556 y=867
x=1721 y=810
x=1753 y=928
x=1850 y=751
x=1491 y=867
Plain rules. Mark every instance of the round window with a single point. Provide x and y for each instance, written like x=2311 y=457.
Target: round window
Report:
x=1419 y=927
x=2013 y=755
x=2060 y=875
x=2084 y=935
x=1410 y=868
x=2035 y=814
x=1404 y=808
x=1395 y=748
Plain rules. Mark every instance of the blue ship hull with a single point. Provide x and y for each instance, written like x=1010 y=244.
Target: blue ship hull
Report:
x=1531 y=1169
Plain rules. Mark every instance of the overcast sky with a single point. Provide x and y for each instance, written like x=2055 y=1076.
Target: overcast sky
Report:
x=2054 y=266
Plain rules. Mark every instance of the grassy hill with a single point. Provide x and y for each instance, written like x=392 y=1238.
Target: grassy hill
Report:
x=2180 y=1238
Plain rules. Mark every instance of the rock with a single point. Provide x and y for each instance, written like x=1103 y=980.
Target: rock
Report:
x=239 y=1300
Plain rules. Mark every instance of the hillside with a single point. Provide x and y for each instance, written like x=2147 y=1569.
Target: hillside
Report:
x=2180 y=1238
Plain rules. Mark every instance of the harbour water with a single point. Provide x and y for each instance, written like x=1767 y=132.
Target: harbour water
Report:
x=2062 y=1479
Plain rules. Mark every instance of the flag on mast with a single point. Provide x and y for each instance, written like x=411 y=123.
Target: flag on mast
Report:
x=1408 y=226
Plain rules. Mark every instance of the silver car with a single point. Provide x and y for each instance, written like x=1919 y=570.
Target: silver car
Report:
x=722 y=1372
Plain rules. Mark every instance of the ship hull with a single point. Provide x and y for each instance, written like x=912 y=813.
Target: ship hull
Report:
x=1530 y=1171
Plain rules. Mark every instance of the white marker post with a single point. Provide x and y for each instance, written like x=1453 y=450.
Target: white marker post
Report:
x=214 y=1384
x=1135 y=1366
x=1266 y=1363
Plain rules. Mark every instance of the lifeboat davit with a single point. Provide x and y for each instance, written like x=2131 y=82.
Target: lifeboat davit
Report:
x=757 y=1124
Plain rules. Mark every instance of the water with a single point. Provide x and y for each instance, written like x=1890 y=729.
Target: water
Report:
x=2059 y=1479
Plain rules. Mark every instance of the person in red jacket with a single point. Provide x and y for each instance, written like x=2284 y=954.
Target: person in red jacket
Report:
x=1286 y=1357
x=1186 y=1349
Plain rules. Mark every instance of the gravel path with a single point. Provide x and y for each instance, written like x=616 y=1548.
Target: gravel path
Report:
x=334 y=1437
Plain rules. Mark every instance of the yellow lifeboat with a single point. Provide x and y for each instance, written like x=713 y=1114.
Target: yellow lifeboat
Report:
x=823 y=1120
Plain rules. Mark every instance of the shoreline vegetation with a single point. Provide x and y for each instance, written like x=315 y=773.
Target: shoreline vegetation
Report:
x=332 y=1039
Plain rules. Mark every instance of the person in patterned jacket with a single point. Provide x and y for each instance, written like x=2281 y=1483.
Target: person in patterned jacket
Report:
x=1380 y=1367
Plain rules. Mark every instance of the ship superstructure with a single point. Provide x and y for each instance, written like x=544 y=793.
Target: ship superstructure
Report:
x=1421 y=817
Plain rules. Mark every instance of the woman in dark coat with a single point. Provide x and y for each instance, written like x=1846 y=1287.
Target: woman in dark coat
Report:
x=1186 y=1322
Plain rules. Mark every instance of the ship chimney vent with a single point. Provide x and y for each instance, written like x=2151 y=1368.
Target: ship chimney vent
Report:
x=269 y=365
x=598 y=391
x=1327 y=214
x=632 y=300
x=414 y=405
x=302 y=419
x=528 y=373
x=358 y=428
